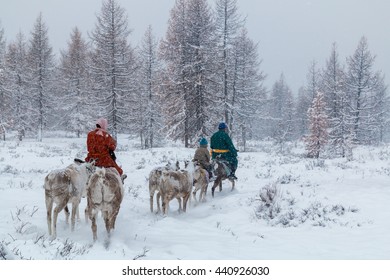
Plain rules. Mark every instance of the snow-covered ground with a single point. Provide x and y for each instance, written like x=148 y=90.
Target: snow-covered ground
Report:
x=328 y=209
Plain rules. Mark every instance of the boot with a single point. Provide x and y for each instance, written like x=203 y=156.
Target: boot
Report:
x=123 y=177
x=232 y=176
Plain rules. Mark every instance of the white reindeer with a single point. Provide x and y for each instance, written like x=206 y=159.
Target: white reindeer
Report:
x=65 y=186
x=104 y=193
x=155 y=181
x=176 y=184
x=201 y=182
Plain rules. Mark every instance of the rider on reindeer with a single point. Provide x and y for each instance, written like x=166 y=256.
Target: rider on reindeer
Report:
x=222 y=147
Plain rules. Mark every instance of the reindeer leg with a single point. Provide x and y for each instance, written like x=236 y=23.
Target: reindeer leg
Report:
x=93 y=226
x=86 y=214
x=233 y=184
x=213 y=188
x=194 y=193
x=202 y=196
x=185 y=200
x=164 y=207
x=67 y=213
x=57 y=210
x=78 y=210
x=106 y=221
x=49 y=208
x=217 y=182
x=75 y=209
x=158 y=197
x=180 y=206
x=151 y=202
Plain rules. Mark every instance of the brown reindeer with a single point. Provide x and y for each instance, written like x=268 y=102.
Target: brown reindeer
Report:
x=155 y=181
x=65 y=186
x=176 y=184
x=221 y=171
x=104 y=193
x=201 y=181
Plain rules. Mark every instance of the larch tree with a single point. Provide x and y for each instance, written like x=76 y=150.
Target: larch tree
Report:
x=4 y=98
x=303 y=103
x=383 y=113
x=248 y=94
x=281 y=111
x=228 y=26
x=318 y=125
x=173 y=52
x=333 y=88
x=148 y=111
x=74 y=85
x=313 y=81
x=306 y=96
x=188 y=84
x=362 y=85
x=379 y=118
x=202 y=70
x=41 y=64
x=17 y=77
x=112 y=66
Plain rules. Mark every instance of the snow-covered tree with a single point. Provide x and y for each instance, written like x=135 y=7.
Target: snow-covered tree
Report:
x=41 y=64
x=113 y=64
x=306 y=96
x=281 y=111
x=148 y=111
x=318 y=125
x=313 y=81
x=17 y=77
x=333 y=87
x=189 y=87
x=74 y=84
x=362 y=85
x=380 y=117
x=303 y=103
x=174 y=53
x=247 y=93
x=228 y=25
x=4 y=99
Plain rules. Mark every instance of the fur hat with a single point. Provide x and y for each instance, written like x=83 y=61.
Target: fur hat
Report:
x=102 y=122
x=222 y=125
x=203 y=142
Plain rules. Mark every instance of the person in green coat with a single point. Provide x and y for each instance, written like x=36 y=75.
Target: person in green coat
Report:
x=221 y=145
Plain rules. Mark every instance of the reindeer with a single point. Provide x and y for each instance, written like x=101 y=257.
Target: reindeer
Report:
x=201 y=181
x=221 y=171
x=176 y=184
x=65 y=186
x=104 y=193
x=155 y=181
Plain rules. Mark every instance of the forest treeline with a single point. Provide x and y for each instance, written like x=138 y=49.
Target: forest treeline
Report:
x=206 y=69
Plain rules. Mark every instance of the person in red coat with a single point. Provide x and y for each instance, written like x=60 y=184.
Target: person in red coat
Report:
x=101 y=145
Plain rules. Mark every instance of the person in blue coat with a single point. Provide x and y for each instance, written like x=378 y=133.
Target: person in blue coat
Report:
x=222 y=146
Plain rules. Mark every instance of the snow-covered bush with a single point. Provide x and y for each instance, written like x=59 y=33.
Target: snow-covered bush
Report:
x=279 y=208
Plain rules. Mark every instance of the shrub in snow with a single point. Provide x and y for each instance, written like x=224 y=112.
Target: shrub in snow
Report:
x=281 y=209
x=287 y=179
x=10 y=169
x=69 y=250
x=313 y=164
x=5 y=254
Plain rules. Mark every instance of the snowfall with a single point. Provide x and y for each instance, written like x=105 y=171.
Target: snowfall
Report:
x=320 y=209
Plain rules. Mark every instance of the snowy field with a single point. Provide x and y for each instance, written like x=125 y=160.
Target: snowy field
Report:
x=330 y=209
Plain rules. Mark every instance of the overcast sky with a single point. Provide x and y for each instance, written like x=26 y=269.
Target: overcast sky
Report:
x=290 y=33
